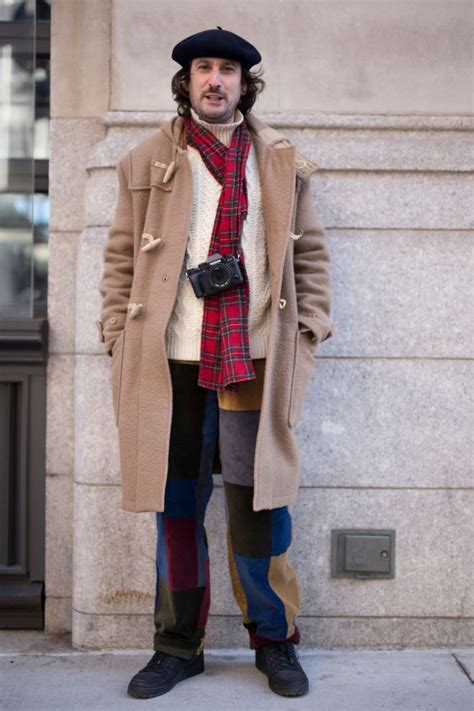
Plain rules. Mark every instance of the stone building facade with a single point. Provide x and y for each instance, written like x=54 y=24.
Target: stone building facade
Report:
x=379 y=95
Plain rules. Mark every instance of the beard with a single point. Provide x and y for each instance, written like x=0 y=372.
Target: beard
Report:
x=218 y=112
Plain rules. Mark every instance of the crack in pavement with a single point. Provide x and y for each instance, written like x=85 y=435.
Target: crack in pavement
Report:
x=463 y=668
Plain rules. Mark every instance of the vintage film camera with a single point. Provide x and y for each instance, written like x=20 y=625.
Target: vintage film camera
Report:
x=216 y=274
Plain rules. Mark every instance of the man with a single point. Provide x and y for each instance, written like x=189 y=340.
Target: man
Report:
x=216 y=293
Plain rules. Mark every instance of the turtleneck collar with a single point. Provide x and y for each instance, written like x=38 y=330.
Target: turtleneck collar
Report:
x=222 y=131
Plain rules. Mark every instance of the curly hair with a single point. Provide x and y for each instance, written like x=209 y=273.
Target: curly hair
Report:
x=253 y=80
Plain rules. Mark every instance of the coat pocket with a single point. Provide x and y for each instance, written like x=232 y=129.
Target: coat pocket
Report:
x=303 y=368
x=116 y=374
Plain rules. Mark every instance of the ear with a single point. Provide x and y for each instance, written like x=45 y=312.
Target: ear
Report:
x=243 y=88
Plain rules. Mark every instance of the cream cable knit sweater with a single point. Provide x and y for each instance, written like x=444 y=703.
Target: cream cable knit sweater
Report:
x=183 y=334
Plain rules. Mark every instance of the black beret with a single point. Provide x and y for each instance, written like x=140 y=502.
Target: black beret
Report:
x=216 y=43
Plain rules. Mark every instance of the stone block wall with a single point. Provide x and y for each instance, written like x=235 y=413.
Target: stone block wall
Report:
x=386 y=436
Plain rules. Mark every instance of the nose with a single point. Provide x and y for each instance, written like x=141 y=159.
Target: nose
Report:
x=215 y=77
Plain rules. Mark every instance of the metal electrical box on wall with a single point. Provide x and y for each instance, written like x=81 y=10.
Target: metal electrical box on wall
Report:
x=362 y=553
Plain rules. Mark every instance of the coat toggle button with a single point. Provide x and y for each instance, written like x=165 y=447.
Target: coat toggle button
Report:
x=151 y=244
x=135 y=309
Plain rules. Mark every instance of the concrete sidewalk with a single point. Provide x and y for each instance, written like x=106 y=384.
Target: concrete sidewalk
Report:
x=43 y=673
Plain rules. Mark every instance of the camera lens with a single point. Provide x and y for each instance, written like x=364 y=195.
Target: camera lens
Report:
x=219 y=276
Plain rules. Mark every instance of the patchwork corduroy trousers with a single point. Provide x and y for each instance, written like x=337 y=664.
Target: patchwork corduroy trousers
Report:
x=264 y=583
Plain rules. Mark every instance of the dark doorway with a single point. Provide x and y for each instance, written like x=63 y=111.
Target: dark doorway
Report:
x=24 y=221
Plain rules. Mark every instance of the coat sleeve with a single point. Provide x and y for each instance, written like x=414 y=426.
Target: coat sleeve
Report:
x=312 y=270
x=117 y=275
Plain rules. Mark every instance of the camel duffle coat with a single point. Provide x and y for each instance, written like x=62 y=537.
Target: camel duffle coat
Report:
x=143 y=258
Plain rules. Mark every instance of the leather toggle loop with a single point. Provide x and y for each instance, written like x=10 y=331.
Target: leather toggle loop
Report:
x=100 y=328
x=296 y=236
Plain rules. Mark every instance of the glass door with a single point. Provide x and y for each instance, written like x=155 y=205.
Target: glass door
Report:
x=24 y=218
x=24 y=149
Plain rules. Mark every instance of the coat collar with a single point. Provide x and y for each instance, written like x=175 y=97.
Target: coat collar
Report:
x=265 y=140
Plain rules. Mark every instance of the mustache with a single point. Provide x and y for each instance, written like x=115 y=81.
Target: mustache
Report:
x=214 y=93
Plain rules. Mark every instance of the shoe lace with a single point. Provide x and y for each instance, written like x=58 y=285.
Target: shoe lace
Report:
x=160 y=659
x=281 y=655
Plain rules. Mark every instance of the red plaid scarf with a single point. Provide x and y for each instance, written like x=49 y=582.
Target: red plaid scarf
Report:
x=225 y=351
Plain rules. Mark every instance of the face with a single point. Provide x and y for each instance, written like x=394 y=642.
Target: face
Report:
x=215 y=87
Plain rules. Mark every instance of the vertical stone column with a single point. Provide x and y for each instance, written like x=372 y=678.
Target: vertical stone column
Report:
x=80 y=87
x=114 y=569
x=113 y=550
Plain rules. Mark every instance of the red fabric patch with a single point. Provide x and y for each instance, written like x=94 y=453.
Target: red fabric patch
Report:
x=181 y=552
x=256 y=641
x=225 y=349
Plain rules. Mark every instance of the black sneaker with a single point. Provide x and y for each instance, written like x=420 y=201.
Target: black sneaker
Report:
x=279 y=662
x=162 y=672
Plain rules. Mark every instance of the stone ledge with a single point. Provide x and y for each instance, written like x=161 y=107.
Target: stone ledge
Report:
x=348 y=199
x=136 y=632
x=358 y=632
x=418 y=122
x=364 y=148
